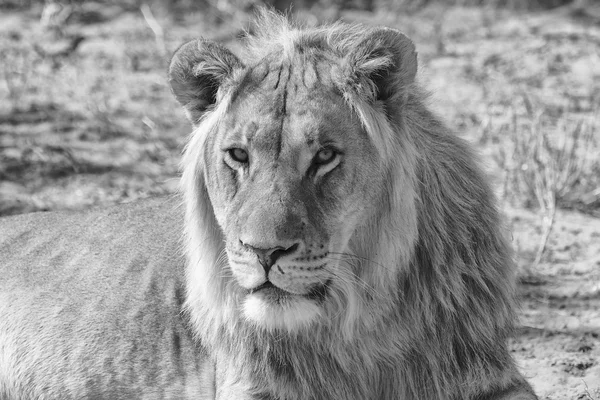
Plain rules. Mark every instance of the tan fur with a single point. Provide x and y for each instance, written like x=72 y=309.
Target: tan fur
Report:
x=395 y=279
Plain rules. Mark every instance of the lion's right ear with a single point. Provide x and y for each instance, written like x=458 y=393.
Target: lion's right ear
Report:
x=197 y=71
x=382 y=64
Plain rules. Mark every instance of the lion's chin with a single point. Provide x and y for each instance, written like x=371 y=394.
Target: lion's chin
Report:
x=275 y=309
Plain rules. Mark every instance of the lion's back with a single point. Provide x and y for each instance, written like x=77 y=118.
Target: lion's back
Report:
x=97 y=298
x=39 y=248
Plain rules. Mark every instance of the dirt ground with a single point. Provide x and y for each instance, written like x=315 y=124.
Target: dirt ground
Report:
x=91 y=121
x=558 y=345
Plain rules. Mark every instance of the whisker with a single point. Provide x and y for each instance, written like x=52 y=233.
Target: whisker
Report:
x=352 y=279
x=359 y=258
x=367 y=288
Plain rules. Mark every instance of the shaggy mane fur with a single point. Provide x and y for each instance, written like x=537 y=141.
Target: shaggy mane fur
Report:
x=434 y=302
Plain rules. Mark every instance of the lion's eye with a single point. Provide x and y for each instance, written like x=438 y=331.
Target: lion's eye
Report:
x=239 y=155
x=325 y=156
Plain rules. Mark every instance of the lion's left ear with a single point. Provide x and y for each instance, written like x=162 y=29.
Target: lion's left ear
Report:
x=382 y=64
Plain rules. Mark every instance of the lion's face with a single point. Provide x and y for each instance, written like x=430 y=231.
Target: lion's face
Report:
x=292 y=159
x=289 y=171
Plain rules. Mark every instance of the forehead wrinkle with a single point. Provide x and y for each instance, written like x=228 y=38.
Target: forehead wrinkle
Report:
x=261 y=79
x=250 y=130
x=277 y=77
x=309 y=93
x=265 y=137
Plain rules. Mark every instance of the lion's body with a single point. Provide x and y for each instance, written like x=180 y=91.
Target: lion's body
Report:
x=340 y=243
x=84 y=315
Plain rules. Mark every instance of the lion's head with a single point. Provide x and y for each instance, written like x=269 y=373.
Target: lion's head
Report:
x=334 y=226
x=298 y=168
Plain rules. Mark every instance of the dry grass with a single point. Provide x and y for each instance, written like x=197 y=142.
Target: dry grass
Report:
x=550 y=161
x=412 y=5
x=88 y=127
x=16 y=74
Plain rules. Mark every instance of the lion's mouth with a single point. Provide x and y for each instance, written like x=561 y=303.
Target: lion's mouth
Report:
x=318 y=292
x=268 y=287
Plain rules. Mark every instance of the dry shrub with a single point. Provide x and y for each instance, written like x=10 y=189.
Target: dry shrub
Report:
x=549 y=161
x=16 y=71
x=413 y=5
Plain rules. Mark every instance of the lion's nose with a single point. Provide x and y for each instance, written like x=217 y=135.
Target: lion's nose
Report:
x=269 y=256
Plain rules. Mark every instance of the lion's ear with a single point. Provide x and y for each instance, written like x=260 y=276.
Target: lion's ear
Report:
x=196 y=72
x=382 y=64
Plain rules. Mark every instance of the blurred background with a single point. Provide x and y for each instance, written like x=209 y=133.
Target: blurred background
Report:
x=87 y=119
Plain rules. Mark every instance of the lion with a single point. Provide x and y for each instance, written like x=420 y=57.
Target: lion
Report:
x=334 y=240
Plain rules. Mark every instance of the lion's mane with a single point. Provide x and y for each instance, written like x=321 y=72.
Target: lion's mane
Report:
x=436 y=301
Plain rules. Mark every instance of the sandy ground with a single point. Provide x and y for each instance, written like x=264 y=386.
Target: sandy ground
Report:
x=558 y=344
